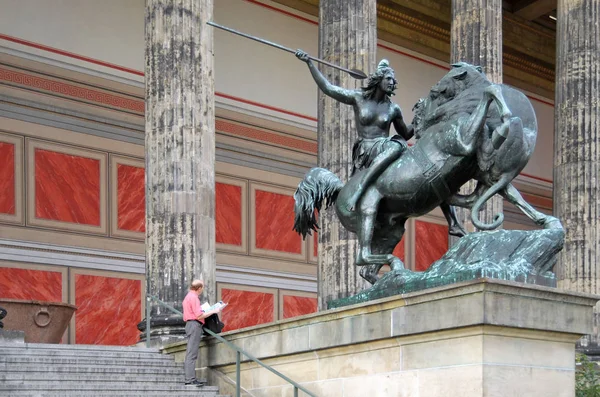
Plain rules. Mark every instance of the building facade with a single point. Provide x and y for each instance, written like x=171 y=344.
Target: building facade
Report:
x=73 y=151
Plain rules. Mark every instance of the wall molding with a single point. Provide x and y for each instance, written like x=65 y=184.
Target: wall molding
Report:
x=24 y=254
x=15 y=49
x=264 y=278
x=50 y=254
x=18 y=174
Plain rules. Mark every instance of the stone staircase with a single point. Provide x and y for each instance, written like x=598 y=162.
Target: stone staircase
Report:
x=48 y=370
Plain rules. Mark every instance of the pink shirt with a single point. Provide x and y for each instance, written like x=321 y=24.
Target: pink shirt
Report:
x=191 y=307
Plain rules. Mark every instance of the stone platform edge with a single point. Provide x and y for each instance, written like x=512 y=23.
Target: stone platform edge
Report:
x=481 y=302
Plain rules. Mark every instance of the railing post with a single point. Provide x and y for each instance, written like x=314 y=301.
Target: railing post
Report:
x=295 y=391
x=148 y=301
x=238 y=387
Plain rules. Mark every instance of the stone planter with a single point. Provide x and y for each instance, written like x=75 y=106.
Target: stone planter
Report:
x=42 y=322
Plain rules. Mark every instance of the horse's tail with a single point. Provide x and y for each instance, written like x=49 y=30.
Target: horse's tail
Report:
x=498 y=218
x=317 y=186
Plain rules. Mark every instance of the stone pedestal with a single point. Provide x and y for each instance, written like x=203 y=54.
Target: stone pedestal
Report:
x=479 y=338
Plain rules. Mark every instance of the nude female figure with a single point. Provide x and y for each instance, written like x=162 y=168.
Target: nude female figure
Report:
x=374 y=112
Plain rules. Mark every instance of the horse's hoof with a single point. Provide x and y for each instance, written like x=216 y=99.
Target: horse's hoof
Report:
x=506 y=116
x=500 y=134
x=396 y=264
x=392 y=219
x=457 y=232
x=552 y=223
x=367 y=275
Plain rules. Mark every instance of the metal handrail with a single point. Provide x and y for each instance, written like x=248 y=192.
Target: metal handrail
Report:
x=239 y=351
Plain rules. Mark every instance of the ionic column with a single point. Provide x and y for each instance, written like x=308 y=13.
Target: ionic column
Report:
x=347 y=37
x=476 y=38
x=180 y=150
x=577 y=148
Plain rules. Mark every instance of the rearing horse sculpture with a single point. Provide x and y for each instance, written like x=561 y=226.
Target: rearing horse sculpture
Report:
x=460 y=136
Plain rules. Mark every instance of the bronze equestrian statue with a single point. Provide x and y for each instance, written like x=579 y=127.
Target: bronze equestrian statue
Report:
x=459 y=136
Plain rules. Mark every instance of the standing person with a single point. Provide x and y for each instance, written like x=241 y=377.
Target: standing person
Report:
x=194 y=316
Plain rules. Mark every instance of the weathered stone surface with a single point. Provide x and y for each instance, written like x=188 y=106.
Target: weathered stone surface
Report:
x=456 y=340
x=476 y=38
x=515 y=255
x=348 y=38
x=180 y=150
x=577 y=149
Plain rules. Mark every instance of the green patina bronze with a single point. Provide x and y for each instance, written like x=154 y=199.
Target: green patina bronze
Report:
x=513 y=255
x=466 y=128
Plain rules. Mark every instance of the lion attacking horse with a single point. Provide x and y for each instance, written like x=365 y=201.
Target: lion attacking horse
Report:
x=460 y=136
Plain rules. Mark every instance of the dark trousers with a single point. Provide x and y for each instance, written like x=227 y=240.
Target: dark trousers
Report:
x=193 y=331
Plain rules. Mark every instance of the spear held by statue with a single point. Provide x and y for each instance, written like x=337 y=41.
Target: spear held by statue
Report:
x=357 y=74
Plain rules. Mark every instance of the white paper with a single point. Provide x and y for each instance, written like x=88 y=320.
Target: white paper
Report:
x=206 y=307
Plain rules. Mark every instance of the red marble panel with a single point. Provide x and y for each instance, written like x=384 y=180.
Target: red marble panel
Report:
x=7 y=178
x=28 y=284
x=298 y=305
x=131 y=198
x=246 y=308
x=109 y=310
x=228 y=213
x=274 y=223
x=399 y=250
x=431 y=242
x=67 y=188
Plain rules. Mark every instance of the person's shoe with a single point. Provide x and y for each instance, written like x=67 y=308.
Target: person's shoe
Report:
x=195 y=382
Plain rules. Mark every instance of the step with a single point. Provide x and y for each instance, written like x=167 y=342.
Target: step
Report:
x=51 y=378
x=104 y=387
x=91 y=369
x=59 y=346
x=103 y=361
x=189 y=391
x=84 y=353
x=52 y=370
x=148 y=358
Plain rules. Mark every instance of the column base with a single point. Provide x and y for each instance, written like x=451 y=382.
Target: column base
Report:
x=164 y=330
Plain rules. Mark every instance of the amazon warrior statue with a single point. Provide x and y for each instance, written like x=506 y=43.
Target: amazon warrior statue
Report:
x=375 y=150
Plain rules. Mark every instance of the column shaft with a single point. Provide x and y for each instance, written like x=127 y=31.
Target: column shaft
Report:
x=576 y=143
x=180 y=149
x=476 y=38
x=347 y=37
